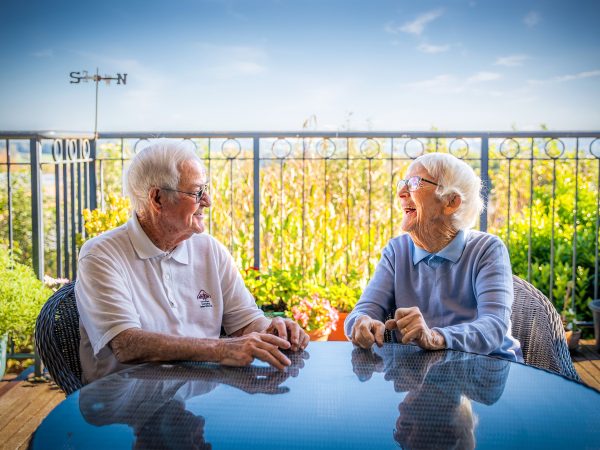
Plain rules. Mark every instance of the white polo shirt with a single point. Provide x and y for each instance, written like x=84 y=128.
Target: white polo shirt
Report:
x=125 y=281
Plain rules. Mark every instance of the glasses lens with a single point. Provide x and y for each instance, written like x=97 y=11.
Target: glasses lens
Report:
x=203 y=190
x=413 y=183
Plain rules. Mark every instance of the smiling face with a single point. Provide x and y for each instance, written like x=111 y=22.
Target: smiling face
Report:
x=181 y=216
x=427 y=218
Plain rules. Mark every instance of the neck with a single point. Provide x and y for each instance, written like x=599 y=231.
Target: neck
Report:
x=155 y=232
x=433 y=239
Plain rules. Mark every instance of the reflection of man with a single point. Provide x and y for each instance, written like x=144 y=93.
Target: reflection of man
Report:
x=152 y=399
x=436 y=412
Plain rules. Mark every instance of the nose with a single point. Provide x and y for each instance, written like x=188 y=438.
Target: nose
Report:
x=403 y=191
x=205 y=201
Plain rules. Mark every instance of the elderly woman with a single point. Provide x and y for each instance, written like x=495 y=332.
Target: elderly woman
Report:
x=445 y=285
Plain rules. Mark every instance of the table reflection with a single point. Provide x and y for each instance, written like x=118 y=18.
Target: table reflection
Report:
x=151 y=399
x=436 y=411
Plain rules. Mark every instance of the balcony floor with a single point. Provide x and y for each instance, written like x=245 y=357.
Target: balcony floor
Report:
x=24 y=404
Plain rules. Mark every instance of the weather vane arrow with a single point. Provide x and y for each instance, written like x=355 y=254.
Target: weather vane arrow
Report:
x=83 y=76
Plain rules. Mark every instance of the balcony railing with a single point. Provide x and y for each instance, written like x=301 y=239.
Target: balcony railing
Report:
x=322 y=202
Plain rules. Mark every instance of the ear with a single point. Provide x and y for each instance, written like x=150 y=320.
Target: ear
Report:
x=452 y=204
x=155 y=199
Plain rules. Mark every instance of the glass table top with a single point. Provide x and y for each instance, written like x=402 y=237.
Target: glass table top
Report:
x=333 y=396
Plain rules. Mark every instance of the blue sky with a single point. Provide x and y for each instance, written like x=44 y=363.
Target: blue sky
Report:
x=206 y=65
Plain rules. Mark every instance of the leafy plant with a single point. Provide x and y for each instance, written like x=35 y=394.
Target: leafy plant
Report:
x=313 y=313
x=98 y=220
x=21 y=298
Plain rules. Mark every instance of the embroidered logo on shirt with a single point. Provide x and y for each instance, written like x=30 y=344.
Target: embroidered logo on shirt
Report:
x=205 y=299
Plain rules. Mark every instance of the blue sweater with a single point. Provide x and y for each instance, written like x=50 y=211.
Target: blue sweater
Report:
x=465 y=291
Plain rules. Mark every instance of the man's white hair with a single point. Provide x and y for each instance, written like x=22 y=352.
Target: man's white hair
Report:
x=455 y=177
x=157 y=165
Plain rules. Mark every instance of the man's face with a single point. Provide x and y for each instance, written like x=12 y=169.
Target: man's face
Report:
x=182 y=216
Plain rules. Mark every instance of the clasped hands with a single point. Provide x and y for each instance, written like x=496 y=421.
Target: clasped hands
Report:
x=408 y=321
x=265 y=344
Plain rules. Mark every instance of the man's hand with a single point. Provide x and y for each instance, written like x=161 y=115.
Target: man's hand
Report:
x=367 y=331
x=241 y=351
x=289 y=330
x=411 y=325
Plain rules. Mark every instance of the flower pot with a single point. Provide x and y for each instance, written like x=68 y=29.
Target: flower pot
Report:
x=573 y=339
x=318 y=335
x=338 y=333
x=3 y=344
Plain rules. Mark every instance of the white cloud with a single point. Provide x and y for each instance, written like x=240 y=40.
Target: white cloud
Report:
x=532 y=18
x=483 y=76
x=428 y=48
x=569 y=77
x=511 y=60
x=416 y=26
x=46 y=53
x=233 y=60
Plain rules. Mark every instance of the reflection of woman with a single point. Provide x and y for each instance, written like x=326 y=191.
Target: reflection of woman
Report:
x=152 y=398
x=437 y=411
x=445 y=285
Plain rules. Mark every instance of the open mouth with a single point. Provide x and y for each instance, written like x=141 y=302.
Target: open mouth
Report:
x=409 y=211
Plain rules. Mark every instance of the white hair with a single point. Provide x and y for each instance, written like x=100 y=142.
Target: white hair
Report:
x=157 y=165
x=455 y=177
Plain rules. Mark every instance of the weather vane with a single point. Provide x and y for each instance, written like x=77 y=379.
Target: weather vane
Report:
x=78 y=77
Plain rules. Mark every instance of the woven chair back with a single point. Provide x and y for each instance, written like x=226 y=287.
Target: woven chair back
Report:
x=57 y=338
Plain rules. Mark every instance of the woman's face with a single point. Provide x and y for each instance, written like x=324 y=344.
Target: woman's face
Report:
x=423 y=210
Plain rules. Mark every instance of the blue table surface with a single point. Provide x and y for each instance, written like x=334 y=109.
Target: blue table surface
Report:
x=333 y=396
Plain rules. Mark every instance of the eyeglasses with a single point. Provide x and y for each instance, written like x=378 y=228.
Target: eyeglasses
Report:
x=413 y=183
x=197 y=195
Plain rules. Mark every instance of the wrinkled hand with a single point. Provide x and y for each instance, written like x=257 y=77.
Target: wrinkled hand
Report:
x=289 y=330
x=365 y=363
x=412 y=327
x=367 y=331
x=241 y=351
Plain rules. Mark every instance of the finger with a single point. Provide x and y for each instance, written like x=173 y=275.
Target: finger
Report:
x=379 y=331
x=411 y=335
x=293 y=334
x=275 y=340
x=279 y=327
x=390 y=324
x=401 y=312
x=272 y=356
x=365 y=338
x=304 y=340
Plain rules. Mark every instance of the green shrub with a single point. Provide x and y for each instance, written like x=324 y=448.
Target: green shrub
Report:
x=21 y=298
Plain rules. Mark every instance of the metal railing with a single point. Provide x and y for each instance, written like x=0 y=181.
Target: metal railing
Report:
x=69 y=172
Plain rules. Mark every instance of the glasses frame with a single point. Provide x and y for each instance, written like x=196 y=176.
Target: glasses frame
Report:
x=401 y=183
x=197 y=195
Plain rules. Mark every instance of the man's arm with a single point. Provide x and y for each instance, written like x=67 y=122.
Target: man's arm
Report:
x=135 y=345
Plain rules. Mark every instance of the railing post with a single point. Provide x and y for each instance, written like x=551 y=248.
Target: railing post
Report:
x=256 y=170
x=92 y=180
x=37 y=223
x=485 y=180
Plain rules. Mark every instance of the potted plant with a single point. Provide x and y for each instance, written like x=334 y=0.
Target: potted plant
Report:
x=273 y=289
x=22 y=295
x=569 y=320
x=315 y=314
x=343 y=297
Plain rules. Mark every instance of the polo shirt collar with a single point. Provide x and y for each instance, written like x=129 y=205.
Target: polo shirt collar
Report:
x=451 y=252
x=146 y=249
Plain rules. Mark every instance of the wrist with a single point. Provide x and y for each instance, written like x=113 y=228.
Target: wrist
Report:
x=438 y=340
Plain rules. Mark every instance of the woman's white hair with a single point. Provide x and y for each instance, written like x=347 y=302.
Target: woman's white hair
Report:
x=455 y=177
x=157 y=165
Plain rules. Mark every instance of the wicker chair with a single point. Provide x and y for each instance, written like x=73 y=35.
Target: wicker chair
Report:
x=538 y=327
x=57 y=338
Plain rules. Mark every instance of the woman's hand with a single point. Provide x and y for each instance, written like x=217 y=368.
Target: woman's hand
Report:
x=367 y=331
x=412 y=327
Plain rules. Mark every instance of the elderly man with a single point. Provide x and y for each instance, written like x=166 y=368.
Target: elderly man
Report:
x=159 y=289
x=445 y=285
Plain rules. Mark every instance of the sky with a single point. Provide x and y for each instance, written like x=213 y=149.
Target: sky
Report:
x=274 y=65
